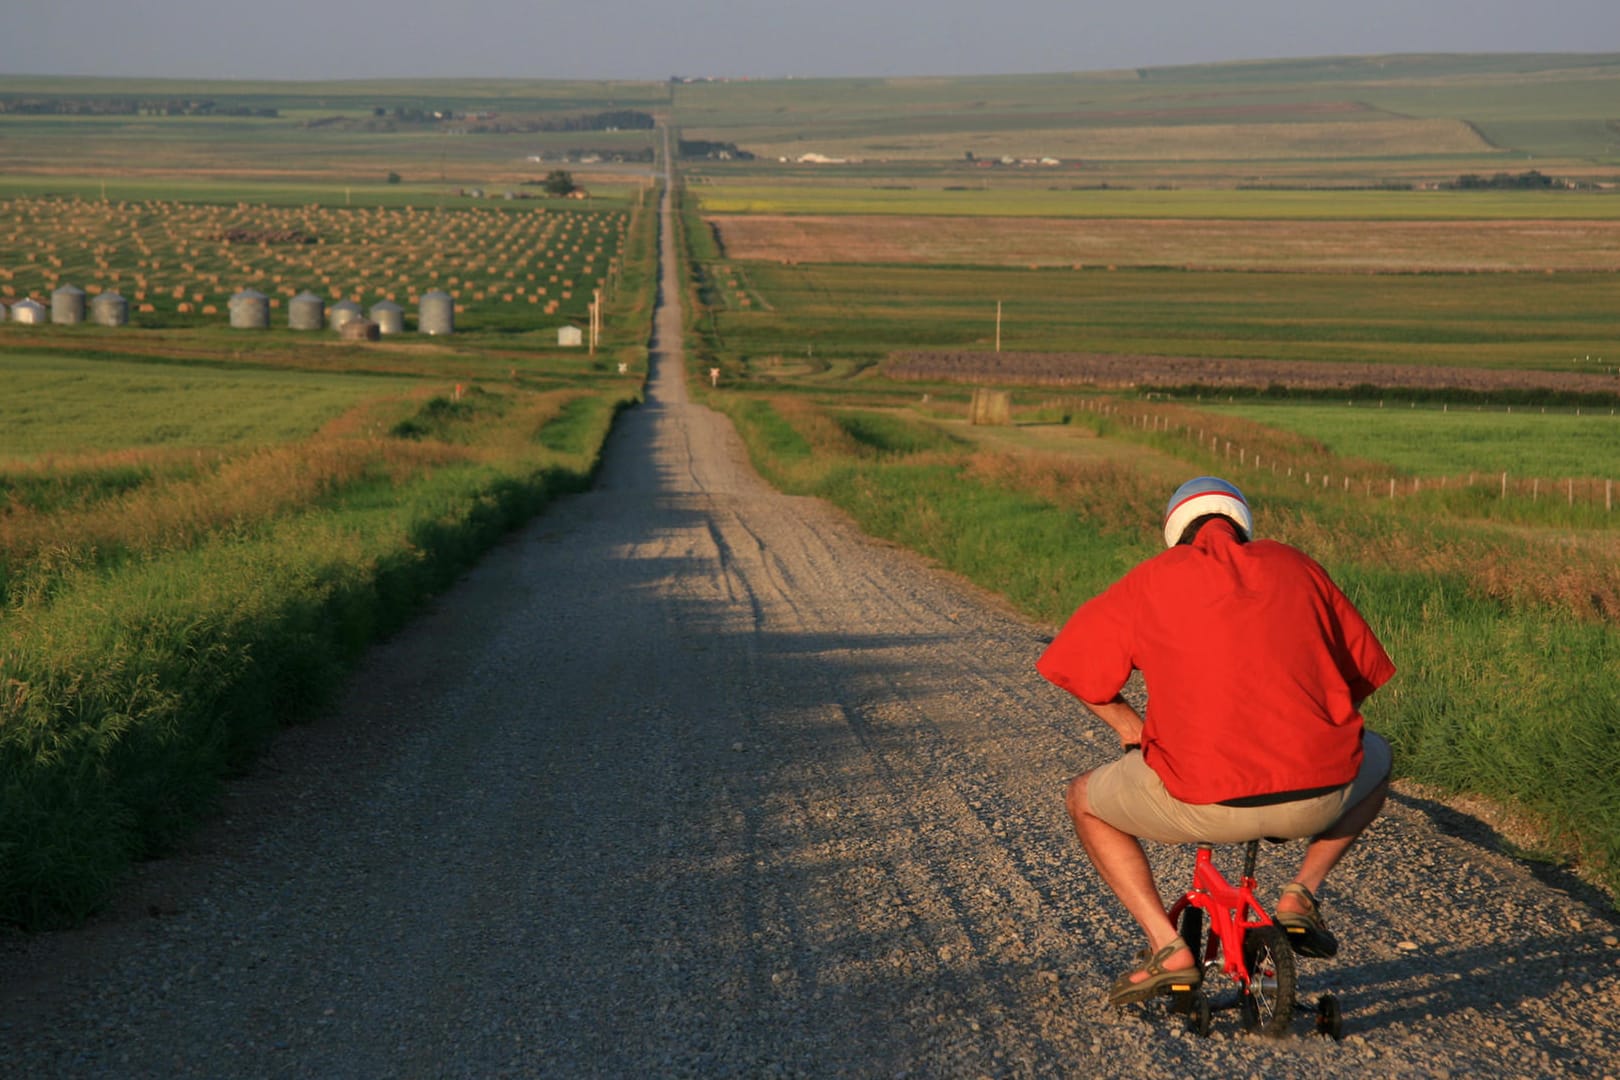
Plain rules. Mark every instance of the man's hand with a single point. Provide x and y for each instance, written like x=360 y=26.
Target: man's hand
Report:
x=1120 y=715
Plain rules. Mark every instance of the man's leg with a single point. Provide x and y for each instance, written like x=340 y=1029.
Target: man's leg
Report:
x=1327 y=848
x=1123 y=866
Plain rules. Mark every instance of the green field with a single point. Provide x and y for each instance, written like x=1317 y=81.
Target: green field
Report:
x=1534 y=321
x=1455 y=441
x=65 y=405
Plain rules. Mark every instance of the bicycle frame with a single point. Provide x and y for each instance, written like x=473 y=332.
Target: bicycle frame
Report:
x=1231 y=910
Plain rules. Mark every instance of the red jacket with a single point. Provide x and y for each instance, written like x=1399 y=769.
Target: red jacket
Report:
x=1254 y=661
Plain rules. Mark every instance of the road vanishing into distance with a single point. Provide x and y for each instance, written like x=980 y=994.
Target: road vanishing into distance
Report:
x=689 y=778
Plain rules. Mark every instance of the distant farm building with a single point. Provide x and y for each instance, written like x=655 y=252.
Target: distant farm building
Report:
x=306 y=311
x=436 y=313
x=250 y=310
x=67 y=305
x=570 y=336
x=109 y=309
x=29 y=311
x=341 y=312
x=389 y=317
x=359 y=329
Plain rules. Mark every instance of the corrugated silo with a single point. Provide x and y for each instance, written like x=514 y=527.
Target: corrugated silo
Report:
x=67 y=305
x=306 y=311
x=389 y=317
x=437 y=313
x=109 y=309
x=250 y=310
x=341 y=312
x=28 y=311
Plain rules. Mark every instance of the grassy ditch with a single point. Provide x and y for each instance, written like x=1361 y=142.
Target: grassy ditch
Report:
x=1504 y=691
x=160 y=623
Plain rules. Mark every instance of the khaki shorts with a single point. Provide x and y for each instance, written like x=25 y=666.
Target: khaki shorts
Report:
x=1130 y=796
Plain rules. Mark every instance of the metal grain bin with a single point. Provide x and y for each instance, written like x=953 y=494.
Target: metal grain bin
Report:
x=2 y=311
x=306 y=311
x=341 y=312
x=29 y=311
x=359 y=330
x=250 y=310
x=109 y=309
x=67 y=305
x=437 y=313
x=389 y=317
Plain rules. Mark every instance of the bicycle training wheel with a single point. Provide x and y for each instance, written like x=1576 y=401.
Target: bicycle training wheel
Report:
x=1268 y=999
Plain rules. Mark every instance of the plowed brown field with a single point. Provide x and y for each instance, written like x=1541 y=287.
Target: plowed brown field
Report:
x=1356 y=246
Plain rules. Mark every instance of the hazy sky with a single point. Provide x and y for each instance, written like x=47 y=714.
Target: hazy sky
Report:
x=300 y=39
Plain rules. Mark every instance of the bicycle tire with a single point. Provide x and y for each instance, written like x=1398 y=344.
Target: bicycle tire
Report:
x=1269 y=996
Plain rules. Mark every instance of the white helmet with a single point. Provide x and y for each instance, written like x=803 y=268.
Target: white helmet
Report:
x=1205 y=495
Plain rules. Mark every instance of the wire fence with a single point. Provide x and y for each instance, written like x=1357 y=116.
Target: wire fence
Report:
x=1368 y=480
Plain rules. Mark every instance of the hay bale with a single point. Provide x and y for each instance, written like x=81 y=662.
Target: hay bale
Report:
x=990 y=407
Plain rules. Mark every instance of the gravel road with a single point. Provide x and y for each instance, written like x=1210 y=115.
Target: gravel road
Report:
x=689 y=778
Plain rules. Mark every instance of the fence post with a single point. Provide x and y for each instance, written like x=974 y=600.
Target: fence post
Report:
x=1504 y=485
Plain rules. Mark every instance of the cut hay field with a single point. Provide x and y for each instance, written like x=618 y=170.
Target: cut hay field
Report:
x=1196 y=243
x=506 y=266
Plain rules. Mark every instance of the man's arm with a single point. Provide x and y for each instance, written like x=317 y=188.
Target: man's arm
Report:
x=1120 y=715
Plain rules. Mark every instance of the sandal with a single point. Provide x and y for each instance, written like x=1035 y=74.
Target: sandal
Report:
x=1306 y=931
x=1159 y=980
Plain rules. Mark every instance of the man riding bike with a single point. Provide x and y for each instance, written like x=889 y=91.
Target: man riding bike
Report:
x=1256 y=665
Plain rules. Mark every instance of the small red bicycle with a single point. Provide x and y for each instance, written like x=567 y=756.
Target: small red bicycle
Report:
x=1229 y=931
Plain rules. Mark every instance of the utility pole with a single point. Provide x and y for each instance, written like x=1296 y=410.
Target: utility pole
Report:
x=998 y=326
x=596 y=319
